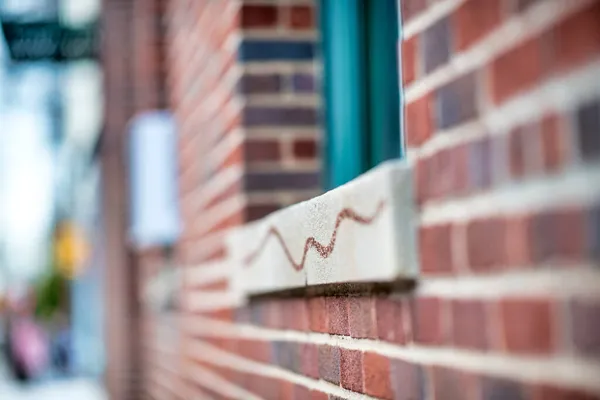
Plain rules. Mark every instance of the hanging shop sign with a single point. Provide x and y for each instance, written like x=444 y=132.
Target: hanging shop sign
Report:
x=50 y=41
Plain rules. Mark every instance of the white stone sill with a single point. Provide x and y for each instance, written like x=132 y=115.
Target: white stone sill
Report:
x=363 y=231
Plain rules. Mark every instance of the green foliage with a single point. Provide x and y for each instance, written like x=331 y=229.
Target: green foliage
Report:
x=50 y=295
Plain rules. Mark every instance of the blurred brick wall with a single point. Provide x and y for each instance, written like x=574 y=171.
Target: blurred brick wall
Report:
x=502 y=107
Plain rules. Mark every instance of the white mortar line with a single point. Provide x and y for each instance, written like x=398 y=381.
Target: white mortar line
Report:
x=430 y=16
x=562 y=93
x=225 y=148
x=207 y=273
x=216 y=356
x=212 y=300
x=283 y=100
x=218 y=384
x=218 y=183
x=219 y=212
x=284 y=67
x=519 y=28
x=563 y=370
x=562 y=282
x=576 y=186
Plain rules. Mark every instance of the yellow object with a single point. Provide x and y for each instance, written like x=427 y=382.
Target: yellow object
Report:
x=70 y=250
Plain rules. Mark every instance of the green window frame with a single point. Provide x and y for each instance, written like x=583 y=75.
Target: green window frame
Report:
x=361 y=86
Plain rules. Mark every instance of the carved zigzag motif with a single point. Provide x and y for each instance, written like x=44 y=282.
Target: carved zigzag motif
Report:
x=323 y=250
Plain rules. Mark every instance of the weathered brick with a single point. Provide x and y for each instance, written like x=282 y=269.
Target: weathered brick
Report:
x=337 y=315
x=281 y=180
x=351 y=365
x=305 y=149
x=435 y=249
x=474 y=20
x=500 y=389
x=436 y=43
x=286 y=355
x=407 y=380
x=519 y=240
x=409 y=60
x=427 y=324
x=309 y=360
x=585 y=326
x=296 y=314
x=449 y=384
x=329 y=363
x=588 y=126
x=486 y=244
x=547 y=392
x=411 y=8
x=550 y=241
x=276 y=50
x=419 y=116
x=554 y=142
x=376 y=374
x=456 y=102
x=262 y=150
x=361 y=317
x=469 y=324
x=255 y=350
x=302 y=17
x=391 y=325
x=481 y=158
x=260 y=84
x=516 y=70
x=277 y=116
x=258 y=16
x=577 y=38
x=593 y=231
x=303 y=83
x=317 y=309
x=528 y=325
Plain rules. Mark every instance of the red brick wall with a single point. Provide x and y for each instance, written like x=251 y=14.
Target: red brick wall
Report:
x=502 y=111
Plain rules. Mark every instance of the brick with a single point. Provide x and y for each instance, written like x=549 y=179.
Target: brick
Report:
x=302 y=17
x=517 y=151
x=258 y=211
x=391 y=325
x=260 y=84
x=577 y=38
x=522 y=5
x=419 y=126
x=255 y=350
x=436 y=45
x=550 y=241
x=296 y=314
x=317 y=309
x=519 y=240
x=422 y=179
x=435 y=249
x=316 y=395
x=406 y=380
x=528 y=326
x=469 y=324
x=351 y=370
x=301 y=392
x=280 y=180
x=262 y=150
x=273 y=314
x=474 y=20
x=329 y=363
x=286 y=355
x=449 y=384
x=409 y=60
x=456 y=101
x=499 y=389
x=588 y=128
x=585 y=327
x=546 y=392
x=361 y=317
x=305 y=149
x=303 y=83
x=258 y=16
x=309 y=360
x=376 y=373
x=411 y=8
x=274 y=50
x=277 y=116
x=554 y=142
x=517 y=70
x=427 y=321
x=486 y=244
x=593 y=229
x=481 y=160
x=257 y=313
x=337 y=315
